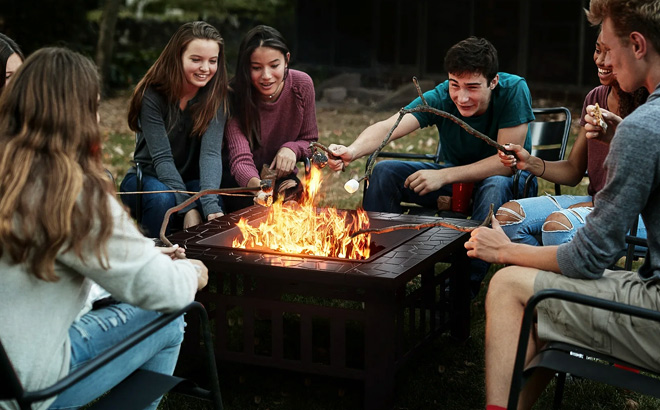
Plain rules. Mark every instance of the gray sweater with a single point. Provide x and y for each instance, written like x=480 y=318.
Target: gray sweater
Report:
x=35 y=315
x=169 y=153
x=632 y=187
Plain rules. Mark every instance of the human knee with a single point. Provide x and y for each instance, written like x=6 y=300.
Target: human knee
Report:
x=557 y=221
x=510 y=213
x=511 y=282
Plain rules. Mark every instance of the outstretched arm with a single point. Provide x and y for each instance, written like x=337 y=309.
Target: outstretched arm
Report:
x=370 y=139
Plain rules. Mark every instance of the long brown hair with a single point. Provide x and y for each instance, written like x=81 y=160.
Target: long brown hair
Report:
x=53 y=187
x=166 y=76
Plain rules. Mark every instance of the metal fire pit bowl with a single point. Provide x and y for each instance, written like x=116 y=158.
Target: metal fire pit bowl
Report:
x=269 y=309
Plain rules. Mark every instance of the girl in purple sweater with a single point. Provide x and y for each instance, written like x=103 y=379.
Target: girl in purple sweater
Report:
x=273 y=116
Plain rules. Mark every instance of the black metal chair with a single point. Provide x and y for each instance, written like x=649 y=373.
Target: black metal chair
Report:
x=136 y=391
x=565 y=358
x=549 y=134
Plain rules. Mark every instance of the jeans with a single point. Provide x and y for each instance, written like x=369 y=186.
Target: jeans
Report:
x=530 y=228
x=154 y=206
x=386 y=192
x=101 y=329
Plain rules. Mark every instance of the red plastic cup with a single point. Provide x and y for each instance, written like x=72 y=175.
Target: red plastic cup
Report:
x=461 y=195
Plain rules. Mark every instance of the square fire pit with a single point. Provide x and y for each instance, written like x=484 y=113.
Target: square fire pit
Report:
x=357 y=319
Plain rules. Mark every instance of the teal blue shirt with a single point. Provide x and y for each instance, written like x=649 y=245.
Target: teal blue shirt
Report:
x=510 y=105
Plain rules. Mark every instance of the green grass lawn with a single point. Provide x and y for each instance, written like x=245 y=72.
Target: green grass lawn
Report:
x=448 y=375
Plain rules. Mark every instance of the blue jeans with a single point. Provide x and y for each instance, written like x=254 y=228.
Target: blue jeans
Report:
x=154 y=206
x=386 y=192
x=529 y=225
x=101 y=329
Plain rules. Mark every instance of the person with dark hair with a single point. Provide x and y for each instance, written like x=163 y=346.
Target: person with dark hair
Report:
x=62 y=229
x=273 y=116
x=553 y=220
x=630 y=39
x=495 y=103
x=178 y=111
x=11 y=57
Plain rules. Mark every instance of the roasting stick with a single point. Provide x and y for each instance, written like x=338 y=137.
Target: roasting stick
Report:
x=196 y=196
x=486 y=222
x=424 y=107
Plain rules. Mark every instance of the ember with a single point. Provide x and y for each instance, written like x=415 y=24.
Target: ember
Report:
x=304 y=229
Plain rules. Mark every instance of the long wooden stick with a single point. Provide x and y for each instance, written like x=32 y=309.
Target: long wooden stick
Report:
x=424 y=107
x=196 y=196
x=450 y=225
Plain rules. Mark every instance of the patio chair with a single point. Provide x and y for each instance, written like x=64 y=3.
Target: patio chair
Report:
x=564 y=358
x=136 y=391
x=549 y=139
x=549 y=136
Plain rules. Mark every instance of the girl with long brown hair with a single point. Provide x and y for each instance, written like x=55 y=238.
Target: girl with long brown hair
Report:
x=62 y=229
x=178 y=112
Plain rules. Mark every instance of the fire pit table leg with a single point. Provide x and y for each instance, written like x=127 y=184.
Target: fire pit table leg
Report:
x=380 y=350
x=460 y=296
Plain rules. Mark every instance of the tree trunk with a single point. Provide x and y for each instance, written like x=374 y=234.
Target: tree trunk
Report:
x=106 y=37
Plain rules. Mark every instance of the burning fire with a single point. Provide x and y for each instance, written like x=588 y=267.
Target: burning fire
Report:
x=303 y=229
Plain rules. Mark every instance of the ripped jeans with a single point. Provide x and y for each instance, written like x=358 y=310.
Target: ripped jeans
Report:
x=101 y=329
x=530 y=225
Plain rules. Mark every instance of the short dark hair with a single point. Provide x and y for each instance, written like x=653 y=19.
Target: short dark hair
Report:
x=472 y=55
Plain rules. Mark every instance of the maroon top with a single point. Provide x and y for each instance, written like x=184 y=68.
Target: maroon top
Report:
x=596 y=150
x=288 y=122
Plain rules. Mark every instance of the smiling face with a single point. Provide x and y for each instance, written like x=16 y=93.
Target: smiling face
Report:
x=200 y=62
x=605 y=74
x=471 y=92
x=621 y=58
x=13 y=62
x=267 y=69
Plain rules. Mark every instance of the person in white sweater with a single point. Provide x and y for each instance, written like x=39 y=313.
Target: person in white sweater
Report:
x=62 y=229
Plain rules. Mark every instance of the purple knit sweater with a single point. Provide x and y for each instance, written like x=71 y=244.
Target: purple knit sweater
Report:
x=288 y=122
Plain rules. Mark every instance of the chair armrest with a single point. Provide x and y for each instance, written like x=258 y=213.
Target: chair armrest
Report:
x=115 y=351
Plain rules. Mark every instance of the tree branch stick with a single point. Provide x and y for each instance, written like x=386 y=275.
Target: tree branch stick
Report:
x=450 y=225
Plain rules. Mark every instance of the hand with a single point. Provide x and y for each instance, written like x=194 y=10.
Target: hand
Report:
x=215 y=215
x=487 y=244
x=192 y=218
x=425 y=181
x=343 y=155
x=588 y=204
x=175 y=252
x=202 y=273
x=509 y=161
x=593 y=128
x=284 y=162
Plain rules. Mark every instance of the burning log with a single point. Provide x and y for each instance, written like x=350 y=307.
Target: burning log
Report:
x=450 y=225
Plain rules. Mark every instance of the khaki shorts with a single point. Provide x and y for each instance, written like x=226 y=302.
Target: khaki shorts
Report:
x=631 y=339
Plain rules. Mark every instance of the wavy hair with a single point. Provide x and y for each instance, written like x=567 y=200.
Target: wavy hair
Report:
x=627 y=16
x=166 y=76
x=53 y=187
x=7 y=48
x=242 y=96
x=472 y=55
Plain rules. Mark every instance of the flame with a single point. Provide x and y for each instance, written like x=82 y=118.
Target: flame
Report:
x=303 y=229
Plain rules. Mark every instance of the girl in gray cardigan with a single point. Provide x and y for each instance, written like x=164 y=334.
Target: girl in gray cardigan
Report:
x=61 y=228
x=178 y=113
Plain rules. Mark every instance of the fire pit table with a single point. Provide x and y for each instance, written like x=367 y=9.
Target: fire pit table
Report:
x=356 y=319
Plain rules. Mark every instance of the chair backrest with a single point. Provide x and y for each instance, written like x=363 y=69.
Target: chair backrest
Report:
x=549 y=132
x=549 y=135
